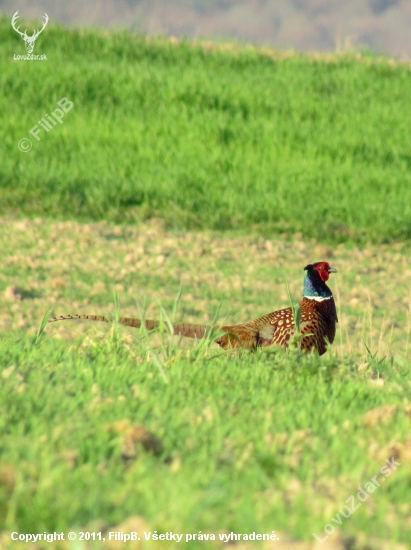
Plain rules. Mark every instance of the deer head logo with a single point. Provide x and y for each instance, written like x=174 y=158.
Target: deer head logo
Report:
x=29 y=41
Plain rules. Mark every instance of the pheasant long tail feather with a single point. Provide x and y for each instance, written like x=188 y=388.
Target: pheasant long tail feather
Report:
x=72 y=317
x=188 y=330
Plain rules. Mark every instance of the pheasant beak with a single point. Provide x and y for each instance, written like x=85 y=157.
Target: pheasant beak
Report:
x=332 y=270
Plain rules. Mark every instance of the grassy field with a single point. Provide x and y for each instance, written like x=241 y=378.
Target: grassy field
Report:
x=207 y=137
x=238 y=442
x=224 y=170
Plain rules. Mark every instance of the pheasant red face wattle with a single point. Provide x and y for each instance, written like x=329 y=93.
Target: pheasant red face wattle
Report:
x=323 y=269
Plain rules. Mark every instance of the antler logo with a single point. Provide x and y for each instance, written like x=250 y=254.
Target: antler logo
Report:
x=29 y=41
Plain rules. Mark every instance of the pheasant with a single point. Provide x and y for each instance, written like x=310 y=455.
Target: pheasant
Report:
x=318 y=318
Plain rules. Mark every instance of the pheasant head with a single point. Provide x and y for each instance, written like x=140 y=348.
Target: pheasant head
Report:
x=315 y=286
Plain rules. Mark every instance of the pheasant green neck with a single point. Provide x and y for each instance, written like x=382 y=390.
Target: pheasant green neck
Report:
x=314 y=287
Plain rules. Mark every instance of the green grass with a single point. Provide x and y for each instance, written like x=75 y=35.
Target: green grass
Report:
x=221 y=138
x=204 y=137
x=238 y=433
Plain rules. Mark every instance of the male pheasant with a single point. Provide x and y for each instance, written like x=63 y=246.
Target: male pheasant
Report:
x=318 y=318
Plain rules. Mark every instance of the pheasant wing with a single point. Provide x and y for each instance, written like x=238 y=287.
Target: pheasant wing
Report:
x=273 y=328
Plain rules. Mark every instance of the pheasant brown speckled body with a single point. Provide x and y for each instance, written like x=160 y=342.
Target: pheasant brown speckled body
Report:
x=318 y=320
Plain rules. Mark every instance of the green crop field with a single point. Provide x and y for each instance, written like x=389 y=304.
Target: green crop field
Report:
x=194 y=182
x=207 y=139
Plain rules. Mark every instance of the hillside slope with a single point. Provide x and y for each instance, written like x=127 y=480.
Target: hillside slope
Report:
x=207 y=136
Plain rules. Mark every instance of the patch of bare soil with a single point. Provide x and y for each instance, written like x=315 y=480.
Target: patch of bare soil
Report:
x=75 y=268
